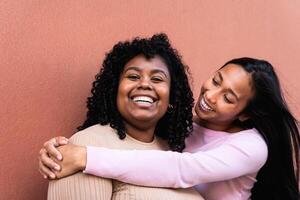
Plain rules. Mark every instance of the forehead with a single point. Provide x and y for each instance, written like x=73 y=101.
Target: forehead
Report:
x=237 y=79
x=142 y=63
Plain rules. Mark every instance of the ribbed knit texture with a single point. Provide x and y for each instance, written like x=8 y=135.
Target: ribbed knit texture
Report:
x=87 y=187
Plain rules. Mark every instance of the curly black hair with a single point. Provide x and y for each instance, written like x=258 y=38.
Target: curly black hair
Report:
x=176 y=124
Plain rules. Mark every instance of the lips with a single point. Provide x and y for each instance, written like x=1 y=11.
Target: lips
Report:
x=143 y=100
x=205 y=106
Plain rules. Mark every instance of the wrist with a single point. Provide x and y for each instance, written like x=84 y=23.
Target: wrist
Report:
x=82 y=158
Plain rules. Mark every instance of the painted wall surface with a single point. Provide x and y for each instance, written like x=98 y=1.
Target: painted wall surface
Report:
x=51 y=50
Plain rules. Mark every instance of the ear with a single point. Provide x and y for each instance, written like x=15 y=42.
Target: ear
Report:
x=243 y=117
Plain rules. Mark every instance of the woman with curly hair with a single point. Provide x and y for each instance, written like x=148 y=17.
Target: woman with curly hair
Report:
x=245 y=143
x=141 y=99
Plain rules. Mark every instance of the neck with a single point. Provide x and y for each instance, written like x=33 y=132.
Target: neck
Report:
x=141 y=134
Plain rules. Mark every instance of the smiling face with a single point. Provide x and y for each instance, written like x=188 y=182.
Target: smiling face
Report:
x=143 y=93
x=223 y=97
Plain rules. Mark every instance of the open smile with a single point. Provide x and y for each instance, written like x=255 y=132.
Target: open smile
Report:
x=205 y=106
x=144 y=101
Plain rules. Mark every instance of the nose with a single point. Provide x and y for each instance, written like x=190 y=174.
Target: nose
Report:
x=211 y=95
x=145 y=83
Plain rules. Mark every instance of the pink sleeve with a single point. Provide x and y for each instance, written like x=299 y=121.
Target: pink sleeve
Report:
x=235 y=158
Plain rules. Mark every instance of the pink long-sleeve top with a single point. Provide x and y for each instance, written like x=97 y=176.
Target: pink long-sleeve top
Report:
x=220 y=165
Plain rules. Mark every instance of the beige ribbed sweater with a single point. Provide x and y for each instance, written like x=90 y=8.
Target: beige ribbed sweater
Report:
x=86 y=187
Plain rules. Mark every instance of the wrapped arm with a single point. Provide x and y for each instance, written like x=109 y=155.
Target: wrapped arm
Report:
x=235 y=157
x=81 y=186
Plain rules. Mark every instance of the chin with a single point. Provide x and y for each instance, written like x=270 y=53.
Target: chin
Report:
x=144 y=117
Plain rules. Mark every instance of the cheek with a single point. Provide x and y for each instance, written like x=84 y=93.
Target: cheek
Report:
x=120 y=102
x=125 y=87
x=166 y=91
x=227 y=110
x=164 y=94
x=122 y=93
x=119 y=95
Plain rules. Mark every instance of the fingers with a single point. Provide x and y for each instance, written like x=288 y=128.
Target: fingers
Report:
x=50 y=146
x=42 y=173
x=47 y=161
x=61 y=140
x=45 y=171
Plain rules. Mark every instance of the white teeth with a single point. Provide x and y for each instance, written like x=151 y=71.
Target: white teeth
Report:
x=204 y=105
x=142 y=99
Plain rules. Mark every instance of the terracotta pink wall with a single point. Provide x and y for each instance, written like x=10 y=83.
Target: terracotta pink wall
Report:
x=51 y=50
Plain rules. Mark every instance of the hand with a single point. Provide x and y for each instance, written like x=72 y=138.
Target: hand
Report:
x=47 y=166
x=74 y=160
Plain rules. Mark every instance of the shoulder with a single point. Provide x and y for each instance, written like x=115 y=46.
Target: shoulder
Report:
x=251 y=144
x=250 y=137
x=96 y=135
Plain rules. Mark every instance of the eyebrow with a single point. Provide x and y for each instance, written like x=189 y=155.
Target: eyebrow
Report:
x=229 y=89
x=153 y=71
